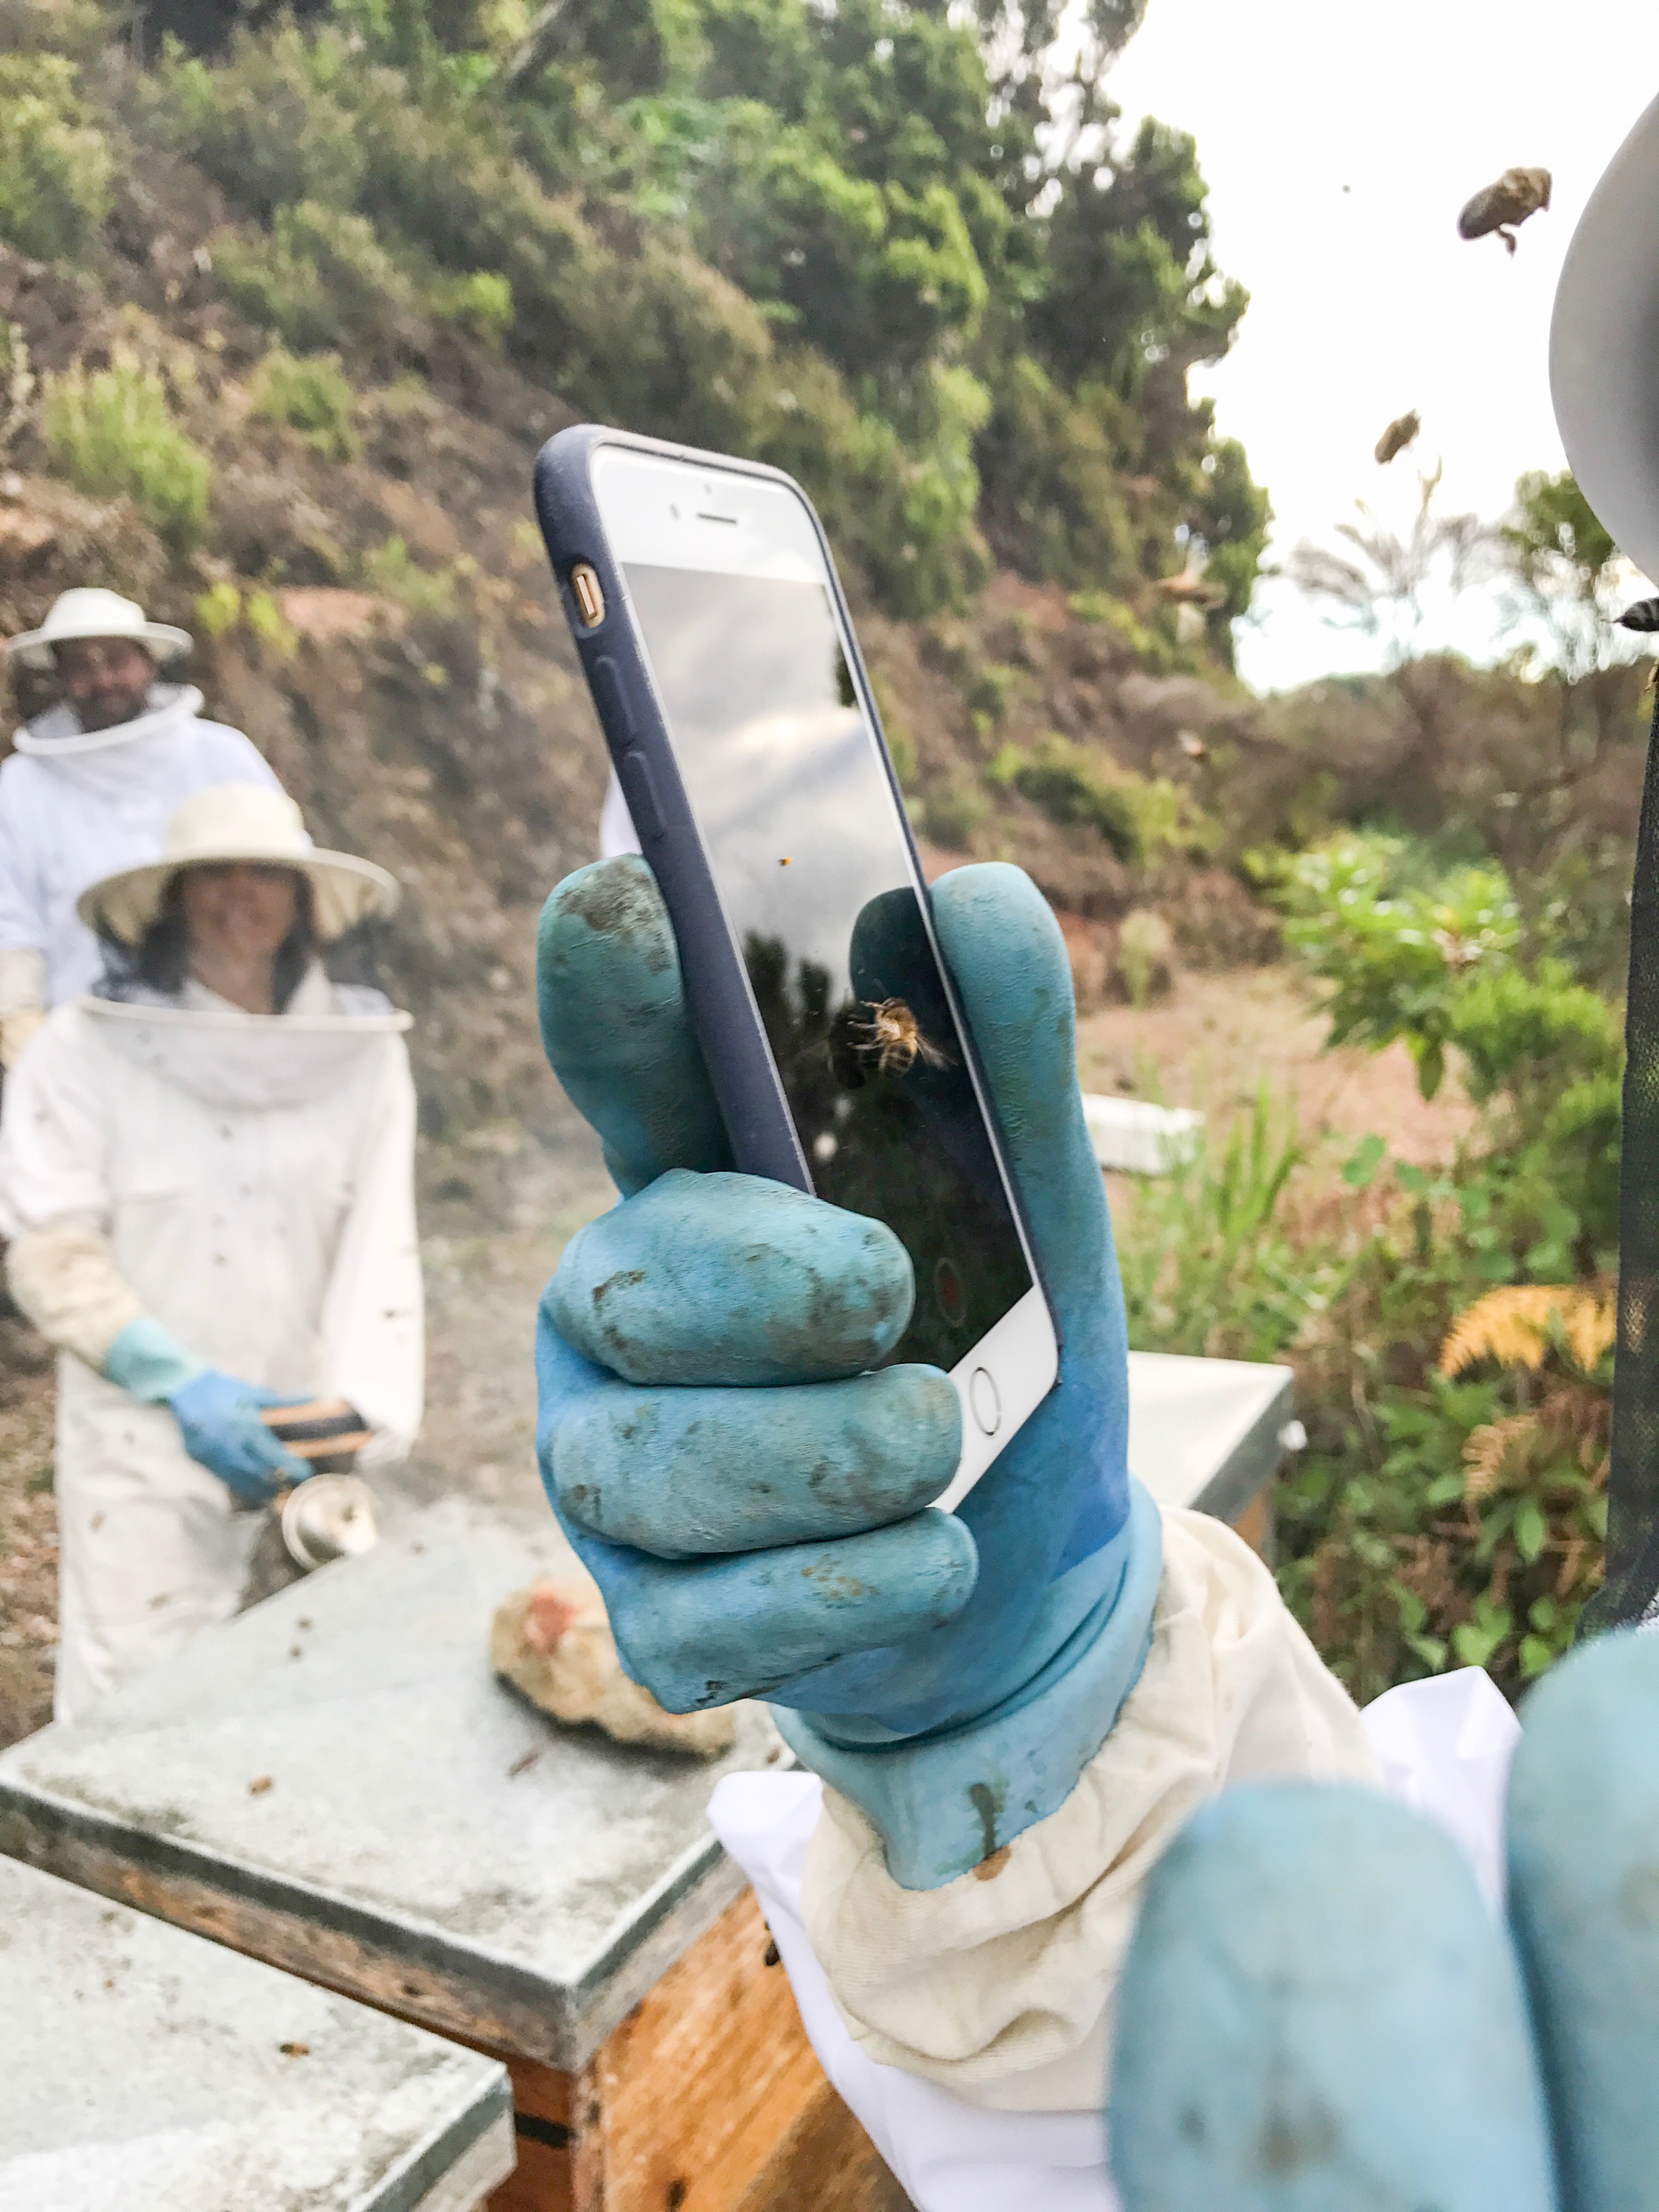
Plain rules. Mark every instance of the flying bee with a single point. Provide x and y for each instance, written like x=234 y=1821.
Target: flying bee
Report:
x=893 y=1036
x=1398 y=435
x=1503 y=206
x=1193 y=589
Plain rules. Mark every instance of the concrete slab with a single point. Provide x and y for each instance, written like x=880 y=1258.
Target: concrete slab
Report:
x=150 y=2072
x=336 y=1781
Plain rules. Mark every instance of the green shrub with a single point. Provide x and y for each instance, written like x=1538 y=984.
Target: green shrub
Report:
x=271 y=625
x=55 y=165
x=818 y=237
x=1070 y=787
x=1450 y=1511
x=391 y=569
x=218 y=608
x=1436 y=957
x=319 y=275
x=266 y=124
x=311 y=396
x=115 y=432
x=482 y=303
x=951 y=817
x=1445 y=1514
x=1393 y=952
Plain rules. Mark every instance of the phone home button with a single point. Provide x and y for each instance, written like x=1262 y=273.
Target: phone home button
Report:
x=984 y=1401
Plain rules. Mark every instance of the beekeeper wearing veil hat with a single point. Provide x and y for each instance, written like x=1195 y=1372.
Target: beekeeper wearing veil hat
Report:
x=90 y=786
x=206 y=1173
x=1604 y=375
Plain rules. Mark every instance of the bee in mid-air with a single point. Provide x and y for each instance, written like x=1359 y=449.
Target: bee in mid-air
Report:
x=1503 y=206
x=893 y=1036
x=1398 y=435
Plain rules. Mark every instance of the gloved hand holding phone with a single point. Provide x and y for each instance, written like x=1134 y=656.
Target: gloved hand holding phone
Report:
x=752 y=1498
x=218 y=1414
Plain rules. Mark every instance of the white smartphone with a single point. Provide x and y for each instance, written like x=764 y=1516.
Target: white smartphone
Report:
x=725 y=671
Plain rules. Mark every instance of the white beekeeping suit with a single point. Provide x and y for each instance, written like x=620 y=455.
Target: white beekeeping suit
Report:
x=77 y=806
x=244 y=1184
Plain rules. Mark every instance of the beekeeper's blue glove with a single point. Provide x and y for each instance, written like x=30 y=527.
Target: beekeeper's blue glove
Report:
x=218 y=1416
x=1319 y=2014
x=751 y=1500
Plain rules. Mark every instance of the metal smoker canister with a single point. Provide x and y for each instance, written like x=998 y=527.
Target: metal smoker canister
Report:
x=331 y=1516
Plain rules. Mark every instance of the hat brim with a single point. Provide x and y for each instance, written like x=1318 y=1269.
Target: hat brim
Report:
x=345 y=890
x=1604 y=348
x=35 y=647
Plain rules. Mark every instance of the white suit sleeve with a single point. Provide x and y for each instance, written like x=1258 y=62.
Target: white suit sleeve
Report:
x=53 y=1136
x=22 y=1000
x=999 y=1986
x=24 y=926
x=64 y=1279
x=233 y=757
x=54 y=1201
x=373 y=1312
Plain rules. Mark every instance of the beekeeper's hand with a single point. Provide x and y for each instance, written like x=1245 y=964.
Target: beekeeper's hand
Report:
x=218 y=1418
x=752 y=1500
x=218 y=1414
x=1319 y=2010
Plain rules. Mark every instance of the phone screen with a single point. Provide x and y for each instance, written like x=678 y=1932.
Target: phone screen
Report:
x=796 y=813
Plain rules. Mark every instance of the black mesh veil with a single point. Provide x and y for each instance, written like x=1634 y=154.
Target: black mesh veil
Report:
x=1633 y=1571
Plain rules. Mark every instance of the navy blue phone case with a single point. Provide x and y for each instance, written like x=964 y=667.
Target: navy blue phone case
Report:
x=723 y=1012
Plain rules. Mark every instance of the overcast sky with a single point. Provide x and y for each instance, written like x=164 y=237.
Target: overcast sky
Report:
x=1364 y=302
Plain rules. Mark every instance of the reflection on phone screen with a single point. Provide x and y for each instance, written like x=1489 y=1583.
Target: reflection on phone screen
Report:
x=798 y=820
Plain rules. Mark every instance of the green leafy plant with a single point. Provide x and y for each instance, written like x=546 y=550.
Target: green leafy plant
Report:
x=1074 y=787
x=951 y=815
x=481 y=302
x=393 y=570
x=55 y=165
x=319 y=274
x=218 y=608
x=271 y=625
x=864 y=243
x=1394 y=953
x=1209 y=1265
x=311 y=396
x=114 y=432
x=1451 y=1506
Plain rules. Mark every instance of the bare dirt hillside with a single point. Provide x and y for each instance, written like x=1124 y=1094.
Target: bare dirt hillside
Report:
x=388 y=634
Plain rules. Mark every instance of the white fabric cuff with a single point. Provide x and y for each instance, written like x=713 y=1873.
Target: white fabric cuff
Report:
x=999 y=1987
x=1445 y=1747
x=22 y=982
x=64 y=1278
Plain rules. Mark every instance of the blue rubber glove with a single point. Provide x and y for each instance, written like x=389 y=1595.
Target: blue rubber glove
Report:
x=752 y=1500
x=218 y=1416
x=1318 y=2013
